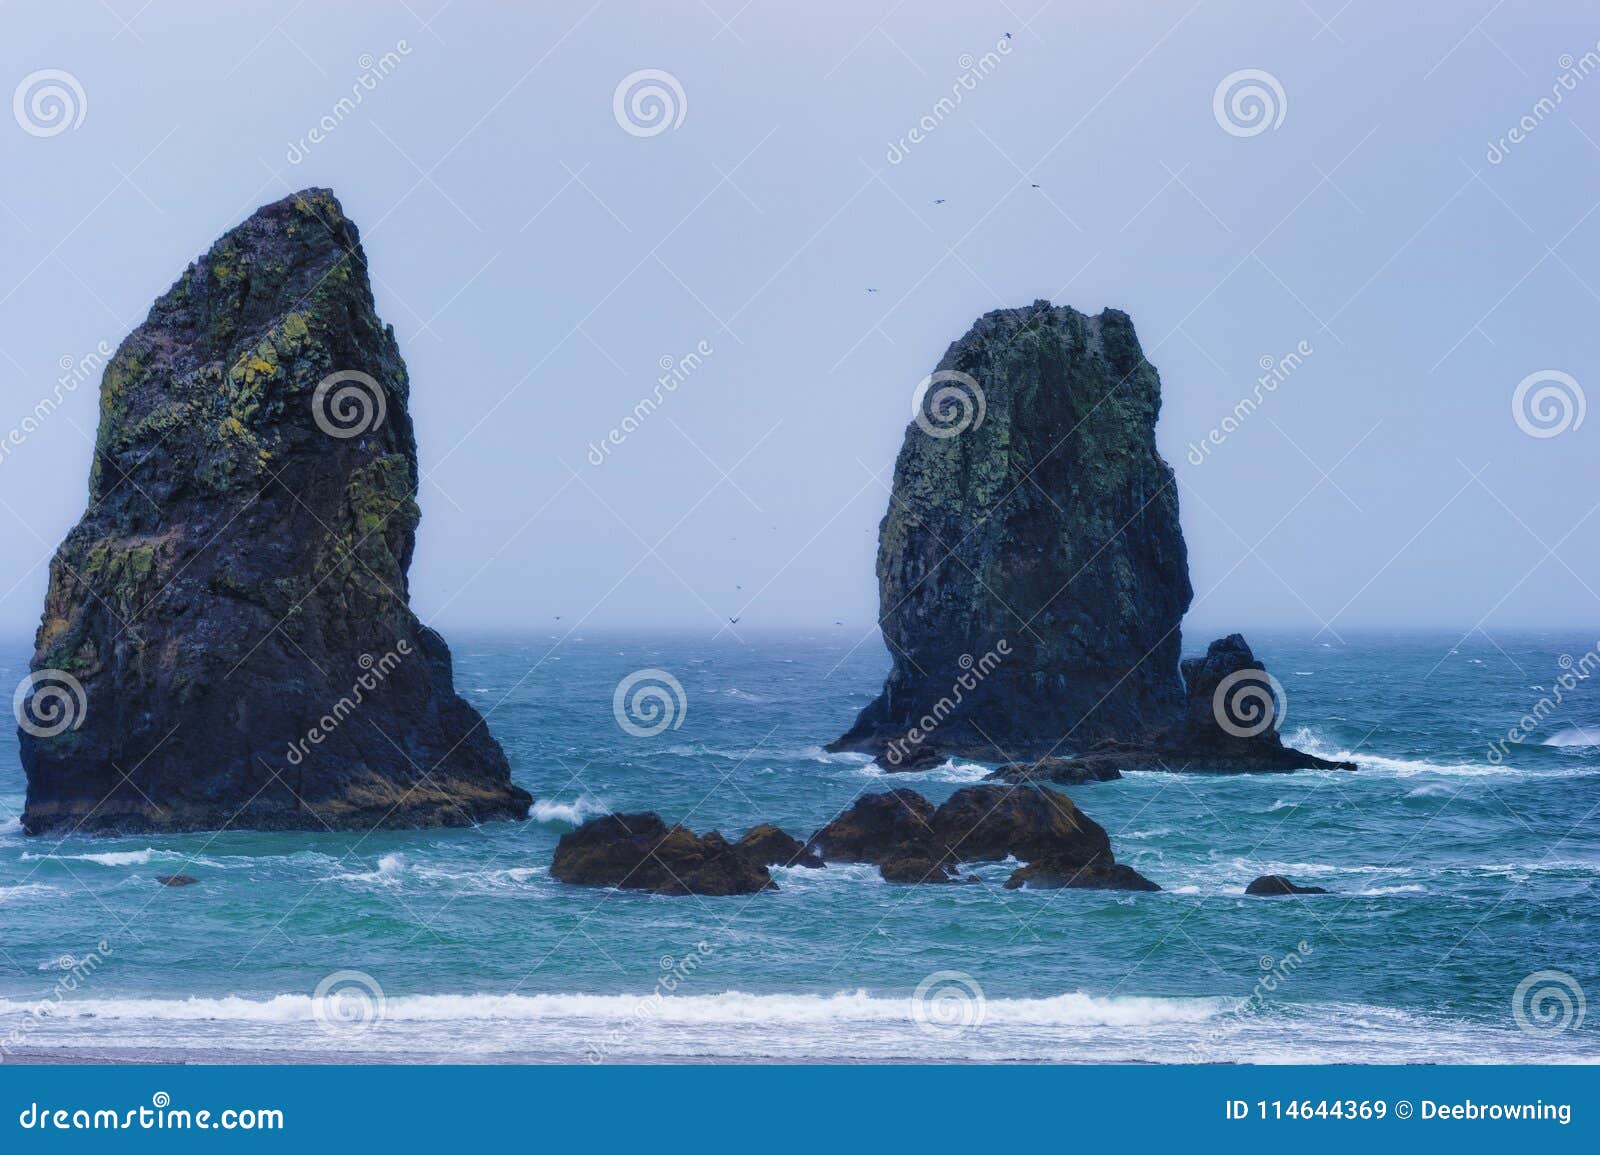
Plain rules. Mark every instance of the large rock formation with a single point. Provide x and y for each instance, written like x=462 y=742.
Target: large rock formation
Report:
x=1229 y=726
x=911 y=840
x=1031 y=569
x=226 y=640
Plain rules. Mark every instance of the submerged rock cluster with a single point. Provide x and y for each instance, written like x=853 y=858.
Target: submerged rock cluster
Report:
x=908 y=838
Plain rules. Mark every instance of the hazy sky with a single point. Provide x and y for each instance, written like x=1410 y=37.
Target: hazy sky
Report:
x=538 y=261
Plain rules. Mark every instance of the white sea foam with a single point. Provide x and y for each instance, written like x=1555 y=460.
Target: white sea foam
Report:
x=951 y=771
x=842 y=757
x=7 y=893
x=1372 y=764
x=572 y=813
x=733 y=1025
x=109 y=858
x=394 y=870
x=792 y=878
x=1575 y=736
x=728 y=1007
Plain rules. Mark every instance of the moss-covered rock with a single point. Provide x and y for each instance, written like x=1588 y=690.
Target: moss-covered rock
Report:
x=1033 y=523
x=238 y=581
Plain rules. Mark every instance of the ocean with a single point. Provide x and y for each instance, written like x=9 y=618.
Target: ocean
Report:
x=1464 y=923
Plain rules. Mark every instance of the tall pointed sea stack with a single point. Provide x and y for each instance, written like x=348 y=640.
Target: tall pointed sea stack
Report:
x=227 y=639
x=1032 y=573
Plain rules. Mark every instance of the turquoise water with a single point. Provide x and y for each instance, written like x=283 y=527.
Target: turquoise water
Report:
x=1455 y=879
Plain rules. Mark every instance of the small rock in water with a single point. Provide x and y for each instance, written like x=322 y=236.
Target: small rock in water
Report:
x=1275 y=884
x=176 y=879
x=641 y=852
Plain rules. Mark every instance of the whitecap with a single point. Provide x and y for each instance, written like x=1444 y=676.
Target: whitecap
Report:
x=729 y=1008
x=572 y=813
x=1574 y=736
x=109 y=858
x=950 y=771
x=846 y=757
x=7 y=893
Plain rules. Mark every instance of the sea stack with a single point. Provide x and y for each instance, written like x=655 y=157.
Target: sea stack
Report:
x=1032 y=573
x=227 y=639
